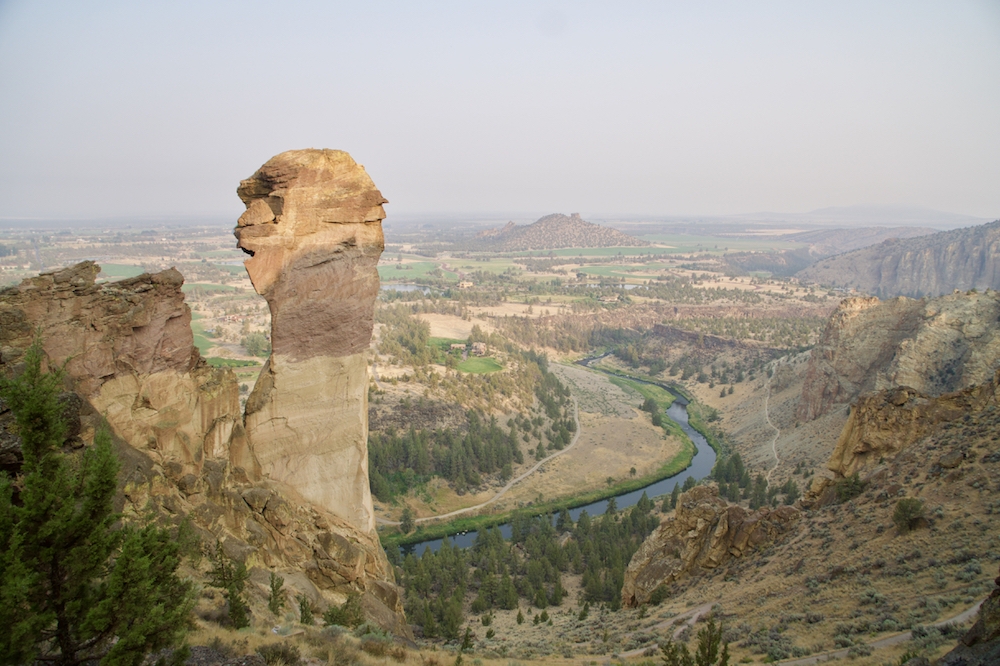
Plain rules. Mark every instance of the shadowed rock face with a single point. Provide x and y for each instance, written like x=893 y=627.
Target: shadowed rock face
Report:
x=705 y=532
x=313 y=228
x=933 y=346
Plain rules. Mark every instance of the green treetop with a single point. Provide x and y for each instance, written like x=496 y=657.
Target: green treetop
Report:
x=73 y=588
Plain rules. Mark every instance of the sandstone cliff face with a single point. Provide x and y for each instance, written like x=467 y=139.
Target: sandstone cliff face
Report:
x=884 y=423
x=313 y=228
x=934 y=346
x=128 y=349
x=130 y=360
x=926 y=266
x=705 y=532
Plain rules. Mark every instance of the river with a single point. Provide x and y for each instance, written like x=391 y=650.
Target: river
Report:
x=700 y=467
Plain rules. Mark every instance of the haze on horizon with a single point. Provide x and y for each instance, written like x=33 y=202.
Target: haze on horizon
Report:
x=111 y=109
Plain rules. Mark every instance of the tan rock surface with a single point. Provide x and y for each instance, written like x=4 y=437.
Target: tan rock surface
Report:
x=935 y=347
x=313 y=228
x=703 y=533
x=884 y=423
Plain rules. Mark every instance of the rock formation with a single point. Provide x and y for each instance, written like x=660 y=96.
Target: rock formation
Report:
x=128 y=349
x=705 y=532
x=883 y=423
x=313 y=229
x=935 y=346
x=981 y=644
x=931 y=265
x=312 y=225
x=554 y=231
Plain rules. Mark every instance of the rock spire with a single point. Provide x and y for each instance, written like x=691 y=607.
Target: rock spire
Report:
x=312 y=228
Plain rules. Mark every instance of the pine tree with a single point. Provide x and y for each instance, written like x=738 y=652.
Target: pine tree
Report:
x=231 y=577
x=73 y=588
x=276 y=599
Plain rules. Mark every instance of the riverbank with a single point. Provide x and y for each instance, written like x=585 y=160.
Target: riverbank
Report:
x=675 y=421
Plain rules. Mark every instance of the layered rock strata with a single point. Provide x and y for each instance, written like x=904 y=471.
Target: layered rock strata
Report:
x=313 y=229
x=932 y=265
x=130 y=362
x=933 y=346
x=127 y=348
x=704 y=532
x=883 y=423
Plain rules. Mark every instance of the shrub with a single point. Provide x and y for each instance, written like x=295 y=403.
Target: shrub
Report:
x=908 y=511
x=849 y=488
x=280 y=653
x=346 y=615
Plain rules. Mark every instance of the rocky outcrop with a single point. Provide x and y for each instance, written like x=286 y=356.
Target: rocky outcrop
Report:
x=130 y=361
x=934 y=347
x=981 y=644
x=884 y=423
x=704 y=532
x=127 y=348
x=313 y=229
x=551 y=232
x=933 y=265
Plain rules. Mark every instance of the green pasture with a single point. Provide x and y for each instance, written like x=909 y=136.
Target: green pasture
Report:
x=217 y=362
x=715 y=245
x=420 y=269
x=119 y=271
x=201 y=340
x=596 y=252
x=475 y=365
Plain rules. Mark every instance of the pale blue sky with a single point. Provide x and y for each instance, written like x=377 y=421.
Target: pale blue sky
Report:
x=160 y=108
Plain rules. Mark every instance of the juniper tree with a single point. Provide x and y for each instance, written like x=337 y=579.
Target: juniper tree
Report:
x=75 y=587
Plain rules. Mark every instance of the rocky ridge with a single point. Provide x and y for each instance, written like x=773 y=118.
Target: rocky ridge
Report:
x=187 y=451
x=933 y=346
x=704 y=533
x=931 y=265
x=553 y=232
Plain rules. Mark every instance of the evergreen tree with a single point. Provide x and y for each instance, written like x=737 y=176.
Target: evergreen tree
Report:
x=231 y=577
x=276 y=599
x=72 y=587
x=305 y=610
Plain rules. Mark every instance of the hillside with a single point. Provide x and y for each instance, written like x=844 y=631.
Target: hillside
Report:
x=554 y=232
x=827 y=242
x=931 y=265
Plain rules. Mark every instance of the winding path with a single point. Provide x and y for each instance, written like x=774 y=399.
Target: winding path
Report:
x=510 y=484
x=882 y=642
x=767 y=417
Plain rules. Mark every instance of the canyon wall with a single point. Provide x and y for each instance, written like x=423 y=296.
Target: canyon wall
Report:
x=931 y=265
x=705 y=532
x=313 y=229
x=933 y=346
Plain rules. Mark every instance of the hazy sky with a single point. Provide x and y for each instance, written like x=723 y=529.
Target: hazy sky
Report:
x=160 y=108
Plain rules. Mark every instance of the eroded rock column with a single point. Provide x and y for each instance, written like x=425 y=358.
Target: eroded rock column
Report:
x=313 y=228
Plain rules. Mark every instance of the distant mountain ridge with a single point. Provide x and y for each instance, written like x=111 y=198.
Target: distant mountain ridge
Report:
x=967 y=258
x=554 y=232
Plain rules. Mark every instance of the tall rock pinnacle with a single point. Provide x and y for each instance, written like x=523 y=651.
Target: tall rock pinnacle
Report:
x=313 y=228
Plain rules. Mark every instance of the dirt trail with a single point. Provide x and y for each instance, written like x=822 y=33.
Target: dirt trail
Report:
x=767 y=417
x=510 y=484
x=882 y=642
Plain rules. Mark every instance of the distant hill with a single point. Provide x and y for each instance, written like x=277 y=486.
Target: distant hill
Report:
x=923 y=266
x=553 y=232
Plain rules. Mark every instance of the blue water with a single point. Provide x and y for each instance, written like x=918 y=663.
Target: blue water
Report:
x=701 y=466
